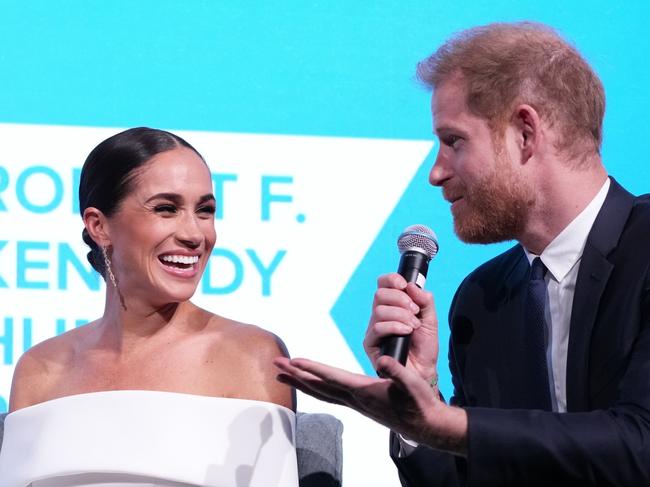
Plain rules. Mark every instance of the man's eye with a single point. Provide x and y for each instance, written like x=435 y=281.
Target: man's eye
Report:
x=451 y=141
x=165 y=209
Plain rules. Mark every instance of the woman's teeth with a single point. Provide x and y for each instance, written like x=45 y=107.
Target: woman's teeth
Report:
x=180 y=259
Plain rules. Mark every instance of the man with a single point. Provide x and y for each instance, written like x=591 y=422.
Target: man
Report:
x=550 y=341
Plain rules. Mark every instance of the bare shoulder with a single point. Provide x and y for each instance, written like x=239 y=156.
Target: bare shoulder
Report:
x=40 y=367
x=253 y=349
x=257 y=341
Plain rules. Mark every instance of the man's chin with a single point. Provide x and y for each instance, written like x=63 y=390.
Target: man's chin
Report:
x=493 y=214
x=480 y=234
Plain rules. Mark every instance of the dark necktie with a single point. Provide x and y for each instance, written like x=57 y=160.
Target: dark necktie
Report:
x=535 y=333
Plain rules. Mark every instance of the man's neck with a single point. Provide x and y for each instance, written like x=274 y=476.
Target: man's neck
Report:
x=561 y=196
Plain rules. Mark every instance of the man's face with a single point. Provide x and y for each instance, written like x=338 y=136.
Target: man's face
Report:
x=490 y=199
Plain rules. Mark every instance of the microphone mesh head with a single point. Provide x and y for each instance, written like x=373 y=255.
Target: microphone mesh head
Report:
x=418 y=237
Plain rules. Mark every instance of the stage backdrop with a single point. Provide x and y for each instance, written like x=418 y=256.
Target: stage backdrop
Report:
x=318 y=137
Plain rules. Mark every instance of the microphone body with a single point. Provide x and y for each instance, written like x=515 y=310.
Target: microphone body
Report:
x=418 y=245
x=413 y=266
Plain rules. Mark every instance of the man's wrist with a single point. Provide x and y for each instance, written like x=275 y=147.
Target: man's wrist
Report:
x=447 y=429
x=429 y=372
x=433 y=383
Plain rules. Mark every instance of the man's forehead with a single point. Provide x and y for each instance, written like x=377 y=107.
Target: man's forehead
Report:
x=451 y=113
x=449 y=102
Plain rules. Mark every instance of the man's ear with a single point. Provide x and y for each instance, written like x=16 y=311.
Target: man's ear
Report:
x=527 y=123
x=97 y=226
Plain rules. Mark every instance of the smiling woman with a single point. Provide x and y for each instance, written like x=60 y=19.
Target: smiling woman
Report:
x=148 y=209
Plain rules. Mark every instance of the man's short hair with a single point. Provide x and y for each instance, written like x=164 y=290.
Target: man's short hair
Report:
x=505 y=64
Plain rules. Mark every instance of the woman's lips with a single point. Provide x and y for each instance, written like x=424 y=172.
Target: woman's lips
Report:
x=186 y=267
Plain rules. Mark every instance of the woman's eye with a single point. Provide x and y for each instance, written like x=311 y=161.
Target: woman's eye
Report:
x=207 y=210
x=165 y=209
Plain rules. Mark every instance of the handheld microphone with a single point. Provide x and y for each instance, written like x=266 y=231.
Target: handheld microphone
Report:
x=418 y=245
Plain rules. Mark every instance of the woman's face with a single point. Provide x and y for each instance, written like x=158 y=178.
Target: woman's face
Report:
x=163 y=232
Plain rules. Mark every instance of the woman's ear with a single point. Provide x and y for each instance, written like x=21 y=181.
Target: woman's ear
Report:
x=97 y=226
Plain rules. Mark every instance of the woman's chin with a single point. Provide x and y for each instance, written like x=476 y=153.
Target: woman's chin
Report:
x=164 y=296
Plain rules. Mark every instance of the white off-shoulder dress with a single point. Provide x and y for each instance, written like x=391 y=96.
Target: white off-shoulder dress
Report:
x=147 y=438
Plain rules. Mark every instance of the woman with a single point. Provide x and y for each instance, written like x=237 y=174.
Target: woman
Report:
x=148 y=208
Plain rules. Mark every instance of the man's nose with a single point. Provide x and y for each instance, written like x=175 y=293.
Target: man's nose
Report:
x=440 y=171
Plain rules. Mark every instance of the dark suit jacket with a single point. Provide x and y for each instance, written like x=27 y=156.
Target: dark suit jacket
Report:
x=604 y=438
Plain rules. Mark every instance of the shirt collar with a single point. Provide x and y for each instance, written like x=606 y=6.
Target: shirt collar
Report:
x=565 y=250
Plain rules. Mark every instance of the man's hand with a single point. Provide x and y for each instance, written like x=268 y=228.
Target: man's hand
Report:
x=400 y=400
x=402 y=309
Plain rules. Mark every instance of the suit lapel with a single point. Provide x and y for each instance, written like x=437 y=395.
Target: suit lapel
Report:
x=593 y=275
x=592 y=279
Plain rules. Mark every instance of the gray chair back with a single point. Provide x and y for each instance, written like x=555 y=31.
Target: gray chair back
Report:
x=319 y=448
x=2 y=427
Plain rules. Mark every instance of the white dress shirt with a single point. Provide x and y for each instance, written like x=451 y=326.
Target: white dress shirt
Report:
x=562 y=259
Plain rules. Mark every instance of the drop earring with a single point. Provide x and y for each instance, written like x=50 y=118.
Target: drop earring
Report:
x=107 y=266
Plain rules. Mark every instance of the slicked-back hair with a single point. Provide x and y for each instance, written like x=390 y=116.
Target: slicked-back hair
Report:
x=108 y=174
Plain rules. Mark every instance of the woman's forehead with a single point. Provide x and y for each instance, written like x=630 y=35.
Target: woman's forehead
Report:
x=180 y=169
